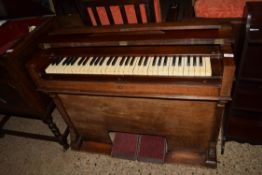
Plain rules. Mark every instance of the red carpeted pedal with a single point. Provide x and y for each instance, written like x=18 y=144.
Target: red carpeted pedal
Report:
x=125 y=146
x=152 y=149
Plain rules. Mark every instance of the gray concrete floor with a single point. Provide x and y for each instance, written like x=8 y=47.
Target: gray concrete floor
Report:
x=34 y=157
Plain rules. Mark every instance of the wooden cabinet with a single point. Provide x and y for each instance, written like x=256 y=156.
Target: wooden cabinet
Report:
x=18 y=94
x=243 y=120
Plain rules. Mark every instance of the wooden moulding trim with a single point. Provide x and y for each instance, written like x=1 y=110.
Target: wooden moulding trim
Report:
x=95 y=147
x=228 y=77
x=178 y=156
x=136 y=27
x=156 y=96
x=150 y=42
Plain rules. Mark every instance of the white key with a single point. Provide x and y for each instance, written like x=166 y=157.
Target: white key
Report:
x=116 y=66
x=150 y=67
x=92 y=67
x=58 y=68
x=50 y=68
x=134 y=60
x=97 y=67
x=159 y=65
x=180 y=71
x=67 y=68
x=75 y=66
x=110 y=67
x=136 y=66
x=117 y=69
x=208 y=66
x=64 y=69
x=202 y=67
x=144 y=66
x=163 y=70
x=191 y=71
x=104 y=65
x=124 y=66
x=86 y=67
x=155 y=70
x=185 y=66
x=153 y=67
x=176 y=67
x=129 y=68
x=171 y=67
x=197 y=67
x=140 y=66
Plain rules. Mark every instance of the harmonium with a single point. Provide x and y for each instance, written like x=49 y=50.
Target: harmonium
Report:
x=154 y=92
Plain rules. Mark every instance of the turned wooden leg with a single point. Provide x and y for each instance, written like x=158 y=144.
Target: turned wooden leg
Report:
x=62 y=139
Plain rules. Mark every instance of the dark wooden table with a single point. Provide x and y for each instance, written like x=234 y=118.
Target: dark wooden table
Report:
x=18 y=94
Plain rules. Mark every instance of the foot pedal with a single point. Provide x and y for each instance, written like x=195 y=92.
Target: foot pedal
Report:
x=152 y=149
x=125 y=145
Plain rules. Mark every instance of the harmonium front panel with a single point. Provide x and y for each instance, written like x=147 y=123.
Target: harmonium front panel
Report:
x=185 y=124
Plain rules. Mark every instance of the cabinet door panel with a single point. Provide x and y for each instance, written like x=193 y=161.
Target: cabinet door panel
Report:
x=248 y=96
x=253 y=62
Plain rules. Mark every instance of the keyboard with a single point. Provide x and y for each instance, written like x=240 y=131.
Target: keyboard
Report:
x=177 y=65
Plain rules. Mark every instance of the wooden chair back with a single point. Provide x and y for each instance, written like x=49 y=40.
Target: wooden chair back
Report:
x=117 y=12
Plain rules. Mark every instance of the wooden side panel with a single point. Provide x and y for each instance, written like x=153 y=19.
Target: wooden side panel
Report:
x=185 y=124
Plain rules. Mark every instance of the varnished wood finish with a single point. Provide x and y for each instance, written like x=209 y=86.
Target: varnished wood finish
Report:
x=187 y=111
x=243 y=121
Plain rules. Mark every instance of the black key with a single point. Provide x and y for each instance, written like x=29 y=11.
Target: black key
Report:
x=55 y=60
x=174 y=61
x=114 y=61
x=159 y=61
x=165 y=61
x=109 y=61
x=97 y=60
x=132 y=61
x=85 y=61
x=122 y=61
x=200 y=61
x=127 y=61
x=73 y=61
x=81 y=61
x=65 y=61
x=69 y=61
x=145 y=61
x=102 y=61
x=154 y=61
x=93 y=61
x=59 y=60
x=140 y=61
x=188 y=61
x=194 y=61
x=179 y=61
